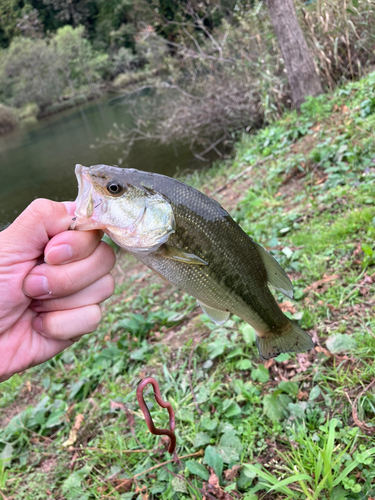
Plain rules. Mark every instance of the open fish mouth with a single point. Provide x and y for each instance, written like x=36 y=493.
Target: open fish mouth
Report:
x=85 y=201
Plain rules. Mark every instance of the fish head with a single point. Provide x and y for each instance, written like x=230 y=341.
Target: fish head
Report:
x=136 y=218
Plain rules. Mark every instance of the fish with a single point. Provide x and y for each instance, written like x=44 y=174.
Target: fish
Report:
x=191 y=241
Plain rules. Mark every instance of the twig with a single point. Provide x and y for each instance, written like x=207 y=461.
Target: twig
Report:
x=92 y=448
x=241 y=174
x=358 y=422
x=190 y=381
x=212 y=146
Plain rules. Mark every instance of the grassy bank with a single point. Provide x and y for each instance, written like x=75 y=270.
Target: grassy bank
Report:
x=300 y=426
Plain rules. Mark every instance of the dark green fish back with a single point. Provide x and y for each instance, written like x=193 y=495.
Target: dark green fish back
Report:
x=235 y=278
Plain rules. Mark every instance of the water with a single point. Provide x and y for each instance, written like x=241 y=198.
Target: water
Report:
x=38 y=159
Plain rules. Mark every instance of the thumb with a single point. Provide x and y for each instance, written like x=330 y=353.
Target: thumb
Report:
x=35 y=226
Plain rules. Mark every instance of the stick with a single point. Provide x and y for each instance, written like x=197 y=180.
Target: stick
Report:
x=190 y=381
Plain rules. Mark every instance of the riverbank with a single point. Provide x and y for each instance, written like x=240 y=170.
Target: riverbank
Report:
x=300 y=426
x=11 y=117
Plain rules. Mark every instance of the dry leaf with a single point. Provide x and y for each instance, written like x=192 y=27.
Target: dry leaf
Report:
x=287 y=306
x=230 y=474
x=73 y=434
x=213 y=480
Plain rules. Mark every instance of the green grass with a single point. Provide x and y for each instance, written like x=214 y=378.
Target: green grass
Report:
x=72 y=428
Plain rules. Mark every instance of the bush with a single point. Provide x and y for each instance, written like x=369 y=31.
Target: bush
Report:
x=30 y=73
x=8 y=120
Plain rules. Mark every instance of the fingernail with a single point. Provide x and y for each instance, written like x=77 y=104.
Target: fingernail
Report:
x=38 y=324
x=70 y=206
x=35 y=286
x=59 y=254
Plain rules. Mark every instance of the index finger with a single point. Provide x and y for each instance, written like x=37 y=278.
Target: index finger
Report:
x=34 y=227
x=70 y=246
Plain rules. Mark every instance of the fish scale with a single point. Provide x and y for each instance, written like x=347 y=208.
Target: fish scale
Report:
x=206 y=254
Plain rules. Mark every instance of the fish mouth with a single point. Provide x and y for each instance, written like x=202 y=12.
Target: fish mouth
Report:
x=83 y=220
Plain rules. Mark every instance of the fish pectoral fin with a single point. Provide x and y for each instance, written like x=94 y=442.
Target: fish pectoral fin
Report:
x=219 y=317
x=276 y=276
x=180 y=255
x=293 y=340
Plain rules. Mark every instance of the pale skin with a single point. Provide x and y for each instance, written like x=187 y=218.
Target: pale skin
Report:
x=51 y=284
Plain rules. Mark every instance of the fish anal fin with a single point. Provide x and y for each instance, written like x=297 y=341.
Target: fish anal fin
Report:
x=180 y=255
x=219 y=317
x=276 y=276
x=293 y=340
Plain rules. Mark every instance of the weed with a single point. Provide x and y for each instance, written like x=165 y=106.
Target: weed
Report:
x=284 y=428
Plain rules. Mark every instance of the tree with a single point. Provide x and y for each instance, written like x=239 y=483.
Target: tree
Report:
x=302 y=76
x=29 y=73
x=76 y=58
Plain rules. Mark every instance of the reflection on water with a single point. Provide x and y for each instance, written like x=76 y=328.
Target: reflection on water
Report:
x=38 y=159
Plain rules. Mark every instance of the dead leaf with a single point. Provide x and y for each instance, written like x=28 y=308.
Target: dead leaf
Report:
x=78 y=421
x=73 y=434
x=318 y=284
x=287 y=306
x=269 y=363
x=302 y=395
x=230 y=474
x=303 y=362
x=124 y=485
x=326 y=352
x=213 y=480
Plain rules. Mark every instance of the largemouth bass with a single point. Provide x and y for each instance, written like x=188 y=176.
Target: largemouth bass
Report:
x=192 y=242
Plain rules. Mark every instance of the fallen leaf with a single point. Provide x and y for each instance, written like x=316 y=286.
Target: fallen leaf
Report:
x=230 y=474
x=321 y=282
x=287 y=306
x=302 y=395
x=73 y=434
x=213 y=480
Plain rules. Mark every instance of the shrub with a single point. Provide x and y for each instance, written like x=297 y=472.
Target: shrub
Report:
x=8 y=120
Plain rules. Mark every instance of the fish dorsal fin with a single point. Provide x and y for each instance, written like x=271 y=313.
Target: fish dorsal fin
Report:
x=180 y=255
x=217 y=316
x=276 y=276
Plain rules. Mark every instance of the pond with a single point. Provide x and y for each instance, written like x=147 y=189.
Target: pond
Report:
x=38 y=159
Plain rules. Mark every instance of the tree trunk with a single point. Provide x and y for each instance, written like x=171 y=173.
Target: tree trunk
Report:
x=302 y=76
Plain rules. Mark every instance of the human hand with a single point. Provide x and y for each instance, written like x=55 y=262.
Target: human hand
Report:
x=48 y=304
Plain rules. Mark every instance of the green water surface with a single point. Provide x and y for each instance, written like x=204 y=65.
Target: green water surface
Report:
x=38 y=159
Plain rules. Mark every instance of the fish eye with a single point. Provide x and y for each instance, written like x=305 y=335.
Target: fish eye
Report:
x=114 y=188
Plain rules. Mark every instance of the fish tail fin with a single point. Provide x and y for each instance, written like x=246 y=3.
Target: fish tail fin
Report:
x=293 y=340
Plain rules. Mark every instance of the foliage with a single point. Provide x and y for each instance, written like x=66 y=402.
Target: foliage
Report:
x=34 y=71
x=78 y=61
x=30 y=73
x=297 y=427
x=8 y=119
